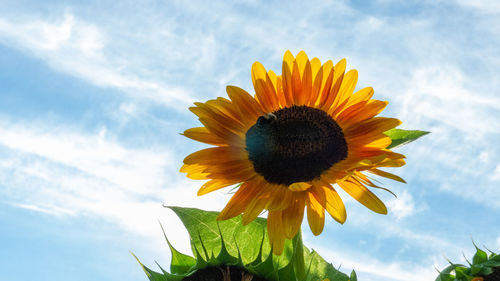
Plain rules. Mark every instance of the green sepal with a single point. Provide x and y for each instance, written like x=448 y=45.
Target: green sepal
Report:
x=224 y=257
x=180 y=263
x=155 y=276
x=401 y=137
x=353 y=276
x=445 y=274
x=287 y=273
x=480 y=256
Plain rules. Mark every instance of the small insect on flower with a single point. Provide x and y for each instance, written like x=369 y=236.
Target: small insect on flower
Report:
x=303 y=132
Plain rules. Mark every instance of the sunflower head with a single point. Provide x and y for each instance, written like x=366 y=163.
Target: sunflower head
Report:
x=228 y=250
x=301 y=133
x=484 y=267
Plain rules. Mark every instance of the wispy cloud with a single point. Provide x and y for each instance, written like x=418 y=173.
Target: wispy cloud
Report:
x=66 y=173
x=402 y=206
x=463 y=123
x=78 y=48
x=368 y=268
x=94 y=154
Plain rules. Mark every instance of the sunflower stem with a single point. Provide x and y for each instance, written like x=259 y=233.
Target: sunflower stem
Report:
x=298 y=257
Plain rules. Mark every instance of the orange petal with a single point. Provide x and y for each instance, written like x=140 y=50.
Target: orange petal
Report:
x=293 y=215
x=257 y=204
x=280 y=198
x=237 y=203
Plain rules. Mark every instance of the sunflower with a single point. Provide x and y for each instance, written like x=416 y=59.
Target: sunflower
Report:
x=303 y=131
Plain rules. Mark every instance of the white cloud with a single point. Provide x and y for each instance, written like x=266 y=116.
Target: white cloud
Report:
x=402 y=206
x=371 y=269
x=90 y=176
x=485 y=6
x=496 y=174
x=79 y=49
x=464 y=125
x=95 y=154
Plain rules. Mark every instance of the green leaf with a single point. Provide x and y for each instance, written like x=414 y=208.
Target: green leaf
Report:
x=401 y=137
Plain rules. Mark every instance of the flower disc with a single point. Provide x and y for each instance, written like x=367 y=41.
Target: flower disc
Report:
x=295 y=144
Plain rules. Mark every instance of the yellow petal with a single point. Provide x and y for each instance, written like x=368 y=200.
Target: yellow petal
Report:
x=287 y=84
x=315 y=66
x=275 y=231
x=293 y=215
x=316 y=88
x=202 y=134
x=299 y=186
x=216 y=155
x=315 y=214
x=213 y=185
x=345 y=91
x=371 y=127
x=207 y=112
x=362 y=95
x=237 y=203
x=307 y=81
x=195 y=172
x=296 y=85
x=363 y=195
x=333 y=204
x=386 y=175
x=244 y=102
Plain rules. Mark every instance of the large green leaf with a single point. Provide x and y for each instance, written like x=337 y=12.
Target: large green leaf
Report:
x=247 y=239
x=251 y=243
x=401 y=137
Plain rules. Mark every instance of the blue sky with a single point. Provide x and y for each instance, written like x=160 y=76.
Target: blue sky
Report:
x=94 y=95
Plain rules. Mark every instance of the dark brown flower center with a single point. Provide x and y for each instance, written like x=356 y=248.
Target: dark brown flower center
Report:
x=295 y=144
